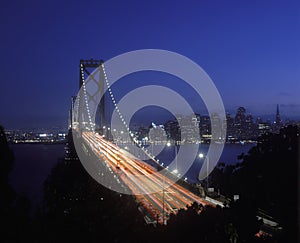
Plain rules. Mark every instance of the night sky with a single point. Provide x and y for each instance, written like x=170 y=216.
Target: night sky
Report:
x=250 y=49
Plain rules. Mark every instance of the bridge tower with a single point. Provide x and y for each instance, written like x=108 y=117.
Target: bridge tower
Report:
x=71 y=113
x=86 y=67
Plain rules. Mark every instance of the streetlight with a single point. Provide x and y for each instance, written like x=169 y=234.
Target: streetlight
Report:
x=163 y=214
x=176 y=169
x=201 y=155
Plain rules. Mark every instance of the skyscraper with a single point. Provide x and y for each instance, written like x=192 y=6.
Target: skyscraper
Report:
x=278 y=123
x=239 y=123
x=278 y=120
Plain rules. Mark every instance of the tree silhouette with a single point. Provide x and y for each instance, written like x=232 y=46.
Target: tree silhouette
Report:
x=14 y=209
x=268 y=178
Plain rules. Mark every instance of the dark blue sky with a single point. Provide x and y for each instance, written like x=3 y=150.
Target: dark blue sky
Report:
x=250 y=49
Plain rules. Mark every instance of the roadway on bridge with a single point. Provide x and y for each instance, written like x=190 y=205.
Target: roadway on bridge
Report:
x=142 y=179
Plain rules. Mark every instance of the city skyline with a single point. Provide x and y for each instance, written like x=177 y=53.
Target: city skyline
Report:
x=160 y=116
x=257 y=125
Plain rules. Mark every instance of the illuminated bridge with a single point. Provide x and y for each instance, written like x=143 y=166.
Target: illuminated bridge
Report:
x=154 y=188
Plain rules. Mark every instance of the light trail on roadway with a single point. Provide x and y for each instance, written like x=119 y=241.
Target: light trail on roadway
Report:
x=142 y=179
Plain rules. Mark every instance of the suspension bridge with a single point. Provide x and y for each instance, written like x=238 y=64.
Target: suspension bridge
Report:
x=154 y=188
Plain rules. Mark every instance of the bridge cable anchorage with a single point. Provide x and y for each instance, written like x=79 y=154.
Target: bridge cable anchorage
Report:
x=85 y=94
x=131 y=134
